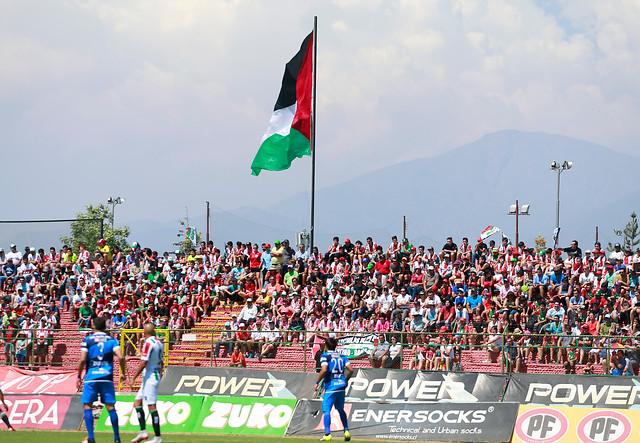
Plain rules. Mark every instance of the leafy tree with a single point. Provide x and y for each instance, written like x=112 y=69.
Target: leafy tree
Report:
x=185 y=245
x=541 y=242
x=630 y=235
x=89 y=232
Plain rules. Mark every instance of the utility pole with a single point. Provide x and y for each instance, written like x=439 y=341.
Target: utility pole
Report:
x=208 y=220
x=404 y=226
x=596 y=234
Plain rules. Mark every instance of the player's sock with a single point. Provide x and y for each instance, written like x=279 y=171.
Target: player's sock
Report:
x=327 y=423
x=113 y=415
x=141 y=419
x=5 y=419
x=88 y=421
x=343 y=418
x=155 y=420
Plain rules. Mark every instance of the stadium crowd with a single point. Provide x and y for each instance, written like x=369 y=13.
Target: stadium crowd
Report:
x=517 y=302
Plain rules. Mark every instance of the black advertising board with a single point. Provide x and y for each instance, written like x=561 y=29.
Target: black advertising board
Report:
x=472 y=422
x=392 y=386
x=236 y=382
x=615 y=392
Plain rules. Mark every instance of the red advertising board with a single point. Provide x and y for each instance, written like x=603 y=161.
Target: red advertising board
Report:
x=44 y=411
x=18 y=381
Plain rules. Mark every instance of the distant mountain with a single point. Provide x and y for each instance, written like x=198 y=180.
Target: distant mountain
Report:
x=461 y=192
x=458 y=193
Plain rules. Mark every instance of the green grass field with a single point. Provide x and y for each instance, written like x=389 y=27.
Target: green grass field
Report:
x=107 y=437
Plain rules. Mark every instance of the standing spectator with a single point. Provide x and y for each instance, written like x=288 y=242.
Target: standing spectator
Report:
x=277 y=257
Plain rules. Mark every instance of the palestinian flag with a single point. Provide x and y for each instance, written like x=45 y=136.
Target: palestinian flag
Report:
x=289 y=132
x=488 y=232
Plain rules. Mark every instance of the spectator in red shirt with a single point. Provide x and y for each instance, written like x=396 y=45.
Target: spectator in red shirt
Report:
x=237 y=358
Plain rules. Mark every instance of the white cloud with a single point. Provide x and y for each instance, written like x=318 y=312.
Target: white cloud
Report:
x=188 y=86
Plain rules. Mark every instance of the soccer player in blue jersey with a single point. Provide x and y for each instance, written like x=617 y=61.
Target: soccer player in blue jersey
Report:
x=98 y=350
x=335 y=372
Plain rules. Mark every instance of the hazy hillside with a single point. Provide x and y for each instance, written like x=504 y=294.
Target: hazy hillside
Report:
x=458 y=193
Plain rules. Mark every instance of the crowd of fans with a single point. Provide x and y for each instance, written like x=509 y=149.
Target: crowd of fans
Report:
x=516 y=302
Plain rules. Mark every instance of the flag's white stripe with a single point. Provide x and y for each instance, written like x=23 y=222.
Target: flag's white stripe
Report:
x=280 y=122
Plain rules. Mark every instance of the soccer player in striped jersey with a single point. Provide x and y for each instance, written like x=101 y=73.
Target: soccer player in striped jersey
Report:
x=151 y=368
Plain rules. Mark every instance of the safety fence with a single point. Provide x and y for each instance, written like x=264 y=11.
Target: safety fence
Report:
x=297 y=350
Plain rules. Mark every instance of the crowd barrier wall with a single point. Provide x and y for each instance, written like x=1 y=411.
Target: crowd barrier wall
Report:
x=468 y=422
x=52 y=381
x=562 y=424
x=207 y=415
x=42 y=411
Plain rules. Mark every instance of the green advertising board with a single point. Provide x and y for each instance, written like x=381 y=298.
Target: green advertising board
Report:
x=246 y=416
x=177 y=414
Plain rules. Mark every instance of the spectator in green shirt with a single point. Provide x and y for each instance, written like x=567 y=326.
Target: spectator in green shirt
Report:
x=290 y=275
x=86 y=314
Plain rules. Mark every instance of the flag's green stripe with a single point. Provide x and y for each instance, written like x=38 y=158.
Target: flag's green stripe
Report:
x=277 y=152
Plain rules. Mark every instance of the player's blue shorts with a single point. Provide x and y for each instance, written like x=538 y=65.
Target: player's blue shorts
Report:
x=104 y=388
x=334 y=398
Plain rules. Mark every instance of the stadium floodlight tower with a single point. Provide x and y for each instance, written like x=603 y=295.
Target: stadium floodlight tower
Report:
x=559 y=169
x=519 y=210
x=113 y=202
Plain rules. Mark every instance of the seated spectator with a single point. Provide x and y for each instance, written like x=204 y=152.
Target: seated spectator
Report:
x=380 y=353
x=237 y=358
x=85 y=315
x=271 y=339
x=227 y=338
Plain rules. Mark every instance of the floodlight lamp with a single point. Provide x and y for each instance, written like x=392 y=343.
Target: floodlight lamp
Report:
x=524 y=209
x=513 y=209
x=554 y=165
x=567 y=165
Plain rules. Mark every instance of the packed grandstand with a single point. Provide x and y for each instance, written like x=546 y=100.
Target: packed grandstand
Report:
x=486 y=307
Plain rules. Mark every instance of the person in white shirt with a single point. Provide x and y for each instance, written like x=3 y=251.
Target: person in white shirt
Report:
x=271 y=337
x=249 y=311
x=152 y=362
x=617 y=253
x=302 y=253
x=14 y=255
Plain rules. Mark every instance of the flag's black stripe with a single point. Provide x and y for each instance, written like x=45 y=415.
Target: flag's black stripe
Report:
x=287 y=95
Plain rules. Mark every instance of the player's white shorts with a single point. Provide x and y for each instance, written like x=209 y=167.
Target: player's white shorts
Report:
x=148 y=391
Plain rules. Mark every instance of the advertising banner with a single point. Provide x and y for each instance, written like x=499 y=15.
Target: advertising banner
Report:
x=354 y=346
x=546 y=424
x=177 y=414
x=44 y=411
x=236 y=382
x=19 y=381
x=469 y=422
x=246 y=416
x=586 y=391
x=392 y=386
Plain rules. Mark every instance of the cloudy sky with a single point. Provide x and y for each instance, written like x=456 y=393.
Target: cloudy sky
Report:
x=164 y=102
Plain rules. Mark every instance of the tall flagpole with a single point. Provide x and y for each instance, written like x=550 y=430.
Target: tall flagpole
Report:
x=313 y=126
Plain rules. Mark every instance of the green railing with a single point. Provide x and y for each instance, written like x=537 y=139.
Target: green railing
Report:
x=199 y=345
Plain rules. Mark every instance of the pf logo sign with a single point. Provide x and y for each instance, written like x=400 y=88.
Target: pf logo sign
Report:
x=606 y=426
x=541 y=425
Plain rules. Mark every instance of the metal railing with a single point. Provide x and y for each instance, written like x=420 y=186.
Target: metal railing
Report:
x=205 y=348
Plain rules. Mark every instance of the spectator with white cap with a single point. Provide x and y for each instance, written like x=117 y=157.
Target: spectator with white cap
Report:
x=248 y=312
